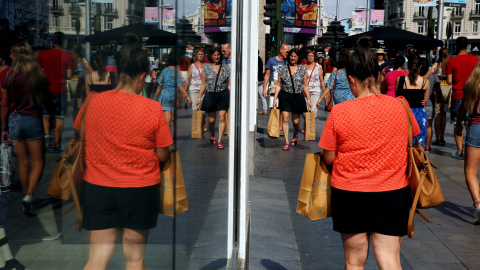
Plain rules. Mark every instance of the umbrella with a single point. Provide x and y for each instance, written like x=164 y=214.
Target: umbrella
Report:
x=397 y=38
x=164 y=38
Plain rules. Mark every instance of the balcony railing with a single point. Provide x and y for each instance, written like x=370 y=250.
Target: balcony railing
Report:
x=396 y=16
x=74 y=10
x=111 y=12
x=56 y=10
x=475 y=14
x=419 y=16
x=134 y=13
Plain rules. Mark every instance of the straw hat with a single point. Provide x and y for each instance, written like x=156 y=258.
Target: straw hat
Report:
x=380 y=51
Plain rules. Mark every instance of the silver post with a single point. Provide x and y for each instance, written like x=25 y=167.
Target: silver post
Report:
x=367 y=23
x=88 y=27
x=336 y=15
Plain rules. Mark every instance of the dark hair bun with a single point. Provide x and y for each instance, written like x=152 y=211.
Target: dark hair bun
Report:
x=133 y=59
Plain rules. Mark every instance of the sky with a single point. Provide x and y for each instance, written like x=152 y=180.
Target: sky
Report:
x=346 y=6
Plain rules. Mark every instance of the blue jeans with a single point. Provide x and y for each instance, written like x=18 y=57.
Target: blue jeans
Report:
x=22 y=127
x=473 y=136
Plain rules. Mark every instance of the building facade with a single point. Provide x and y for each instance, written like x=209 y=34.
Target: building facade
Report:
x=405 y=15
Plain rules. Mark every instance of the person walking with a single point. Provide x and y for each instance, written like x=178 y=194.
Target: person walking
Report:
x=227 y=53
x=380 y=56
x=24 y=91
x=388 y=83
x=271 y=72
x=458 y=69
x=169 y=80
x=337 y=83
x=215 y=92
x=440 y=120
x=121 y=192
x=315 y=79
x=100 y=80
x=416 y=90
x=194 y=78
x=470 y=104
x=369 y=166
x=58 y=66
x=292 y=84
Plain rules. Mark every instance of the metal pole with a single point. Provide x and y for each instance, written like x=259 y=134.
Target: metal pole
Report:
x=336 y=15
x=367 y=23
x=88 y=27
x=440 y=20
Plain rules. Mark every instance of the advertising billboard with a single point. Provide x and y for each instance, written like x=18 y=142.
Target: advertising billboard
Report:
x=377 y=17
x=455 y=3
x=169 y=16
x=151 y=15
x=217 y=15
x=425 y=3
x=358 y=19
x=300 y=16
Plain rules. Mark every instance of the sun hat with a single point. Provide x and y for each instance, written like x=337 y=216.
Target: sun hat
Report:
x=380 y=51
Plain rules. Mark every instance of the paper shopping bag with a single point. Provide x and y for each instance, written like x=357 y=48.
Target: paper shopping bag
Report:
x=273 y=128
x=310 y=126
x=197 y=124
x=314 y=197
x=173 y=196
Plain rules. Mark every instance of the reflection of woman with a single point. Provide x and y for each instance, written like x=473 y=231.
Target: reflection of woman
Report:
x=215 y=90
x=101 y=80
x=194 y=79
x=388 y=83
x=168 y=80
x=338 y=80
x=292 y=83
x=127 y=136
x=24 y=91
x=369 y=160
x=315 y=79
x=416 y=91
x=470 y=101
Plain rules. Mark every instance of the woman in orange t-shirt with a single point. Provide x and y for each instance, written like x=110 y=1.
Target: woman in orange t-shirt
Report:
x=127 y=136
x=366 y=141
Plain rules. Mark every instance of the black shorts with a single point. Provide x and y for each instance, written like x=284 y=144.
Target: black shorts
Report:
x=294 y=103
x=381 y=212
x=214 y=102
x=111 y=207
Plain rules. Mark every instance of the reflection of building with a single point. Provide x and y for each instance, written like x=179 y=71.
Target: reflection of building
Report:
x=103 y=16
x=404 y=15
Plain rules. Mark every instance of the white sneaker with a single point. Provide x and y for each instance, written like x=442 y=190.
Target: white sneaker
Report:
x=476 y=216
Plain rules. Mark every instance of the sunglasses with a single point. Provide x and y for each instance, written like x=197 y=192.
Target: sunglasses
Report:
x=287 y=51
x=224 y=51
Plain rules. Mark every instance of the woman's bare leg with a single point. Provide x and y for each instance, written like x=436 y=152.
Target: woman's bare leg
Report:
x=296 y=123
x=134 y=244
x=221 y=125
x=102 y=247
x=21 y=150
x=472 y=158
x=212 y=117
x=355 y=248
x=37 y=161
x=387 y=251
x=284 y=121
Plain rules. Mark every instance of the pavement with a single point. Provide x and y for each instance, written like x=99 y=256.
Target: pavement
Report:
x=280 y=238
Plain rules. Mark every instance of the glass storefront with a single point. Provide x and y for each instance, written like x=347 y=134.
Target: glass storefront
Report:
x=185 y=42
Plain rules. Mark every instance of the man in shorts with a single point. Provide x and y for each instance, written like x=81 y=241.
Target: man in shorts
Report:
x=458 y=69
x=57 y=65
x=271 y=70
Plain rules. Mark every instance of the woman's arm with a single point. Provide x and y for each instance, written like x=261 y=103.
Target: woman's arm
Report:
x=4 y=115
x=322 y=82
x=427 y=93
x=203 y=88
x=88 y=80
x=189 y=76
x=163 y=153
x=306 y=90
x=329 y=156
x=277 y=90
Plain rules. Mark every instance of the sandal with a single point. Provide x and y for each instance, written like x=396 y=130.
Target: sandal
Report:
x=212 y=140
x=436 y=143
x=220 y=146
x=294 y=140
x=286 y=147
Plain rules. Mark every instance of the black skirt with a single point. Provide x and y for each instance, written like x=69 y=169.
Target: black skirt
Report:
x=214 y=102
x=294 y=103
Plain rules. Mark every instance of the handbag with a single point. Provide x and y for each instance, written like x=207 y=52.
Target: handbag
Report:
x=314 y=197
x=197 y=124
x=425 y=189
x=273 y=127
x=330 y=101
x=310 y=126
x=173 y=195
x=7 y=167
x=68 y=175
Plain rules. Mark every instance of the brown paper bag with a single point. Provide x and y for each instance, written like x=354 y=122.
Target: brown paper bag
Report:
x=197 y=124
x=314 y=197
x=310 y=126
x=173 y=196
x=273 y=128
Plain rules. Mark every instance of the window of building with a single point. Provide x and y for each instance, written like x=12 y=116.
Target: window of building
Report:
x=476 y=8
x=108 y=24
x=73 y=22
x=55 y=4
x=458 y=11
x=421 y=28
x=458 y=27
x=421 y=11
x=400 y=8
x=475 y=27
x=56 y=21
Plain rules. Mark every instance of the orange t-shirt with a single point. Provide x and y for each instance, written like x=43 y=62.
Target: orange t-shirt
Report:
x=370 y=135
x=122 y=132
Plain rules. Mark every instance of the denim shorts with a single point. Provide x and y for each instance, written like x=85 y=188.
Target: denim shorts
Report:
x=455 y=107
x=473 y=136
x=59 y=102
x=22 y=127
